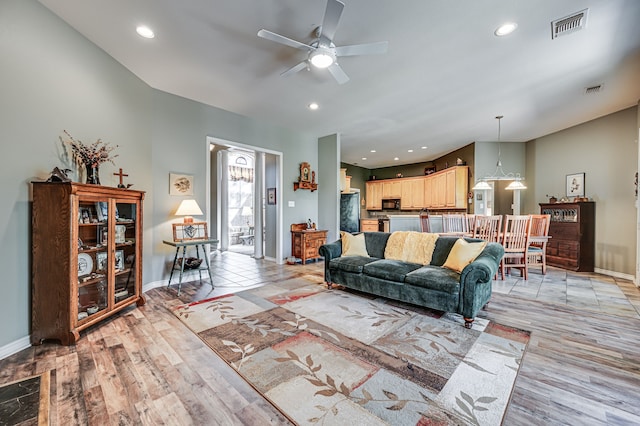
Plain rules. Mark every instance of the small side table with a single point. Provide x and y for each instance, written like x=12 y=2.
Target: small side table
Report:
x=305 y=243
x=183 y=245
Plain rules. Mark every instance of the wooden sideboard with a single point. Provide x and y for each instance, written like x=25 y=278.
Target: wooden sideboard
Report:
x=572 y=232
x=306 y=243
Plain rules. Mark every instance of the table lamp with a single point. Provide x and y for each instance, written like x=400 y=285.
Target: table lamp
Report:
x=188 y=209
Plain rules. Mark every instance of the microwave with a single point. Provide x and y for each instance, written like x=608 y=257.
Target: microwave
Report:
x=391 y=204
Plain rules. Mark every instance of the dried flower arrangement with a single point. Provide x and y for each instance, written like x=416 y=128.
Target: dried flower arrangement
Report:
x=91 y=155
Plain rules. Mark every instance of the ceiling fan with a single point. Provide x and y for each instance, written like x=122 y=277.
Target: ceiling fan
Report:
x=322 y=53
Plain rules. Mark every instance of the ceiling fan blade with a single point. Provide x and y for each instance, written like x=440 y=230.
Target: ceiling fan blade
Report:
x=363 y=49
x=268 y=35
x=294 y=69
x=337 y=73
x=331 y=18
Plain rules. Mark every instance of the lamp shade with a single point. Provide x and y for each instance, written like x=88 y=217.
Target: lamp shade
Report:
x=189 y=208
x=516 y=184
x=481 y=186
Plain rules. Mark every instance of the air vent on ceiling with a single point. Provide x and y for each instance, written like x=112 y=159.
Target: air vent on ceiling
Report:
x=569 y=24
x=594 y=89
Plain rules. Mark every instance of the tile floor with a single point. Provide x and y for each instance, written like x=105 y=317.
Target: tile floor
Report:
x=600 y=293
x=594 y=292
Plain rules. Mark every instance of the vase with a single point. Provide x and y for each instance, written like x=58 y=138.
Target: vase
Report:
x=92 y=174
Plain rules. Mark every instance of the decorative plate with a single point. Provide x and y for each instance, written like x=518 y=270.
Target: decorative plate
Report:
x=85 y=264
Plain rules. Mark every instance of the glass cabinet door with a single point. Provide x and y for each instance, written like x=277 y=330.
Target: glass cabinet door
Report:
x=125 y=251
x=93 y=270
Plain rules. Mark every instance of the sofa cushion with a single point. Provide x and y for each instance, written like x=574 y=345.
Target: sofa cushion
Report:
x=387 y=269
x=441 y=252
x=435 y=278
x=462 y=254
x=376 y=243
x=353 y=245
x=350 y=263
x=418 y=247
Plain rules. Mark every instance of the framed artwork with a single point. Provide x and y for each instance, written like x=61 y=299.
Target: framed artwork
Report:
x=119 y=260
x=180 y=184
x=101 y=261
x=305 y=172
x=271 y=196
x=575 y=185
x=84 y=215
x=190 y=231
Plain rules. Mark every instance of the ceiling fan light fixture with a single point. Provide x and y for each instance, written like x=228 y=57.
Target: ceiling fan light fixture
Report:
x=322 y=58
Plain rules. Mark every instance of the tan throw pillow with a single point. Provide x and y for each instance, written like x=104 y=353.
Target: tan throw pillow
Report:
x=394 y=249
x=463 y=253
x=353 y=245
x=418 y=247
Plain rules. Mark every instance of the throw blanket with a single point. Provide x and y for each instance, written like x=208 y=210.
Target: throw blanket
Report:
x=411 y=246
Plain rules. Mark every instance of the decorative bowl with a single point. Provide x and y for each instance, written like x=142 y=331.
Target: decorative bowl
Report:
x=190 y=262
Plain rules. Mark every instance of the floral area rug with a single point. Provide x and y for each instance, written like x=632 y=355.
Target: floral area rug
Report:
x=337 y=357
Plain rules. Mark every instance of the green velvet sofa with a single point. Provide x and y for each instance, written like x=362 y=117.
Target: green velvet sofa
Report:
x=431 y=286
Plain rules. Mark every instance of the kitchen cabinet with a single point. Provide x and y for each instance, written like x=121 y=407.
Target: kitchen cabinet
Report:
x=391 y=188
x=412 y=193
x=374 y=195
x=446 y=189
x=86 y=257
x=368 y=225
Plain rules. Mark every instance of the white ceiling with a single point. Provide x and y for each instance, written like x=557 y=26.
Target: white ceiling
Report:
x=444 y=79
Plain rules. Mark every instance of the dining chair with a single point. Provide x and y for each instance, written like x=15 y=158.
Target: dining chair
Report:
x=488 y=228
x=454 y=223
x=537 y=251
x=424 y=221
x=515 y=240
x=471 y=223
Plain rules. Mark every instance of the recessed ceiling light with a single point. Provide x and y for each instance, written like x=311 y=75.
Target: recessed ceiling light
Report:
x=396 y=159
x=364 y=158
x=506 y=29
x=424 y=147
x=410 y=150
x=313 y=106
x=145 y=31
x=373 y=150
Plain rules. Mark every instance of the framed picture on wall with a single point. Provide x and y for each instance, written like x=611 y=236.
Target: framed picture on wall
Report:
x=575 y=185
x=271 y=196
x=180 y=184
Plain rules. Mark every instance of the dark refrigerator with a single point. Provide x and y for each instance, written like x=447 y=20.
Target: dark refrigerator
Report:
x=350 y=212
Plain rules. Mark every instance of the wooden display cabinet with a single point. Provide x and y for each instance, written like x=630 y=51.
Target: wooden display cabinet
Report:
x=306 y=243
x=572 y=232
x=87 y=257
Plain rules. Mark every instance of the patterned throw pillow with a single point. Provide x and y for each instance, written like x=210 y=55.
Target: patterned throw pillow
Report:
x=353 y=245
x=463 y=253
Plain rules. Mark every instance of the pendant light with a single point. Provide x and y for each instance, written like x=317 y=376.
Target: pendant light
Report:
x=499 y=173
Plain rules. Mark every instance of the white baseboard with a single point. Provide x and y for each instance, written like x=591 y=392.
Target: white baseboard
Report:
x=15 y=347
x=616 y=275
x=154 y=284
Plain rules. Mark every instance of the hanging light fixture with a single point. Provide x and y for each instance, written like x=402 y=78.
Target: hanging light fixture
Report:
x=499 y=173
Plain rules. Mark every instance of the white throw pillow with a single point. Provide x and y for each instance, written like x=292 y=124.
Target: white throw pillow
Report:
x=353 y=245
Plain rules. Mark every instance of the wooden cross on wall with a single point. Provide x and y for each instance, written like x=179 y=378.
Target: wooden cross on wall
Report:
x=121 y=175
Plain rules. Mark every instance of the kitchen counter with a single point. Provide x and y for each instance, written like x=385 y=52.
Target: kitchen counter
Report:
x=405 y=222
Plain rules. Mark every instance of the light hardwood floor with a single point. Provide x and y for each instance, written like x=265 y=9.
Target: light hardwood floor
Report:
x=582 y=365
